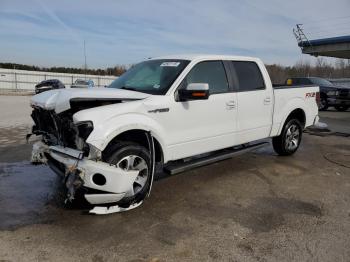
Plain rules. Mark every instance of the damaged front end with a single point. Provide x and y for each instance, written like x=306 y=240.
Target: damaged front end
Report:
x=63 y=147
x=110 y=182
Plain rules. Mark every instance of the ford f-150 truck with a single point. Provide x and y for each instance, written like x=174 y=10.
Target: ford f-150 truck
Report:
x=169 y=113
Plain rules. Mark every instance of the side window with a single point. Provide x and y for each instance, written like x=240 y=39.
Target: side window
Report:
x=210 y=72
x=305 y=81
x=296 y=81
x=249 y=76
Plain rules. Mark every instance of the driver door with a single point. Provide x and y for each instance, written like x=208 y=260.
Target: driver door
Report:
x=200 y=126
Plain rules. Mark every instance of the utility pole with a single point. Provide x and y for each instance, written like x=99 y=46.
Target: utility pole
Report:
x=15 y=75
x=85 y=65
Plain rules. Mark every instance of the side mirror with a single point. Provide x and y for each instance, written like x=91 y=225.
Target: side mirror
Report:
x=194 y=91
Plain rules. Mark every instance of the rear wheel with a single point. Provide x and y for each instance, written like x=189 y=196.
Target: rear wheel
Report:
x=341 y=108
x=131 y=156
x=287 y=143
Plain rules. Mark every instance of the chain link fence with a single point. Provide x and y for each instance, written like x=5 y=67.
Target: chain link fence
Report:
x=21 y=80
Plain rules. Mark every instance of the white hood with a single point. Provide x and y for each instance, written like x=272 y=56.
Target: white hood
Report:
x=59 y=99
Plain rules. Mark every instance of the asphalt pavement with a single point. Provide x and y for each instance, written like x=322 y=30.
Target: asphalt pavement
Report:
x=255 y=207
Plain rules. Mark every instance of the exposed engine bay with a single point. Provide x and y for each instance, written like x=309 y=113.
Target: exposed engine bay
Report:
x=59 y=129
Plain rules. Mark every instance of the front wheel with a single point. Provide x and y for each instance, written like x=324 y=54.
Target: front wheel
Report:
x=341 y=108
x=131 y=156
x=287 y=143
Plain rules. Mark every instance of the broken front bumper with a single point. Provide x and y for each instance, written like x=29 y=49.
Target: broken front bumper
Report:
x=113 y=182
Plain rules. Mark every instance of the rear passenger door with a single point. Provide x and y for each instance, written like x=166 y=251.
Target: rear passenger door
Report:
x=255 y=102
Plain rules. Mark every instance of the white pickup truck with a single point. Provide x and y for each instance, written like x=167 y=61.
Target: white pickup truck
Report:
x=169 y=113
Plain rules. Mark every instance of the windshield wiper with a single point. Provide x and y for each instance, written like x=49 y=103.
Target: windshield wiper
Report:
x=128 y=88
x=132 y=89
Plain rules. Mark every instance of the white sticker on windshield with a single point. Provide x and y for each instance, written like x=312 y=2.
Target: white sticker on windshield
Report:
x=174 y=64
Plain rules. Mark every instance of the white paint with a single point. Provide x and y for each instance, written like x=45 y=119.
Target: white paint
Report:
x=59 y=99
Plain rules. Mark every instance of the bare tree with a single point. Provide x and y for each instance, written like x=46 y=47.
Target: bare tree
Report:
x=340 y=69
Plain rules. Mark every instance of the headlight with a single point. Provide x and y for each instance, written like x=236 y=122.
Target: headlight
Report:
x=333 y=93
x=94 y=153
x=84 y=129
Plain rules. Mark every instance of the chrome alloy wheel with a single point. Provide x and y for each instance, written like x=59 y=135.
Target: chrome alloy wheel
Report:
x=292 y=137
x=134 y=162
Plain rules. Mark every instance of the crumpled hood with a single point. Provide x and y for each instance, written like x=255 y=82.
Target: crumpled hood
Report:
x=59 y=99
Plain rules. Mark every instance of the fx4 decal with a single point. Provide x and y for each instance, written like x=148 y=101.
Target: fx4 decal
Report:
x=308 y=95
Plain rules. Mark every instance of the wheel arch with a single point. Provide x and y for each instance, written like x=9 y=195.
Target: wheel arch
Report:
x=137 y=136
x=297 y=113
x=129 y=126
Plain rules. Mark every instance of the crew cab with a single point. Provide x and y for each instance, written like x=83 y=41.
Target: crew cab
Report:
x=165 y=114
x=331 y=94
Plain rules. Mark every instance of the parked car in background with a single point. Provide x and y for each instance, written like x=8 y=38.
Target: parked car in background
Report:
x=47 y=85
x=82 y=83
x=331 y=94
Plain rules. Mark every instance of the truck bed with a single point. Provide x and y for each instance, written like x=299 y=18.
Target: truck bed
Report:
x=289 y=98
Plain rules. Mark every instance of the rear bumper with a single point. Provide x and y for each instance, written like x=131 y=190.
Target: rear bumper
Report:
x=113 y=183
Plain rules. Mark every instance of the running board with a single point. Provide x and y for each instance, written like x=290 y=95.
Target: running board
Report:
x=178 y=167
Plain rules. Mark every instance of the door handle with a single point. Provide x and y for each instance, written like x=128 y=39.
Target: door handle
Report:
x=230 y=104
x=267 y=100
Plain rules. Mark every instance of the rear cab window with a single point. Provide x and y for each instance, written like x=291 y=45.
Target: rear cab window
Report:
x=248 y=76
x=304 y=81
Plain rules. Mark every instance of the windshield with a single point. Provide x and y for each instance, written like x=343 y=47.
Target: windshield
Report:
x=152 y=76
x=321 y=81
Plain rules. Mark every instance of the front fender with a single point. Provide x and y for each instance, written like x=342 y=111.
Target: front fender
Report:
x=104 y=132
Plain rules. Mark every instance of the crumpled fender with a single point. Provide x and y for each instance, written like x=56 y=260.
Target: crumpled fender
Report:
x=121 y=123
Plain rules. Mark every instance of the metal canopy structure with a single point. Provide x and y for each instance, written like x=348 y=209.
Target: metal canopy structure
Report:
x=332 y=47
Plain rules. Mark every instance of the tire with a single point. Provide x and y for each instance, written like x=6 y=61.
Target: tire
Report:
x=341 y=108
x=287 y=143
x=121 y=155
x=323 y=106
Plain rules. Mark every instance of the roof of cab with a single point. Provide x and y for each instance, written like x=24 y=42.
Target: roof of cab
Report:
x=207 y=57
